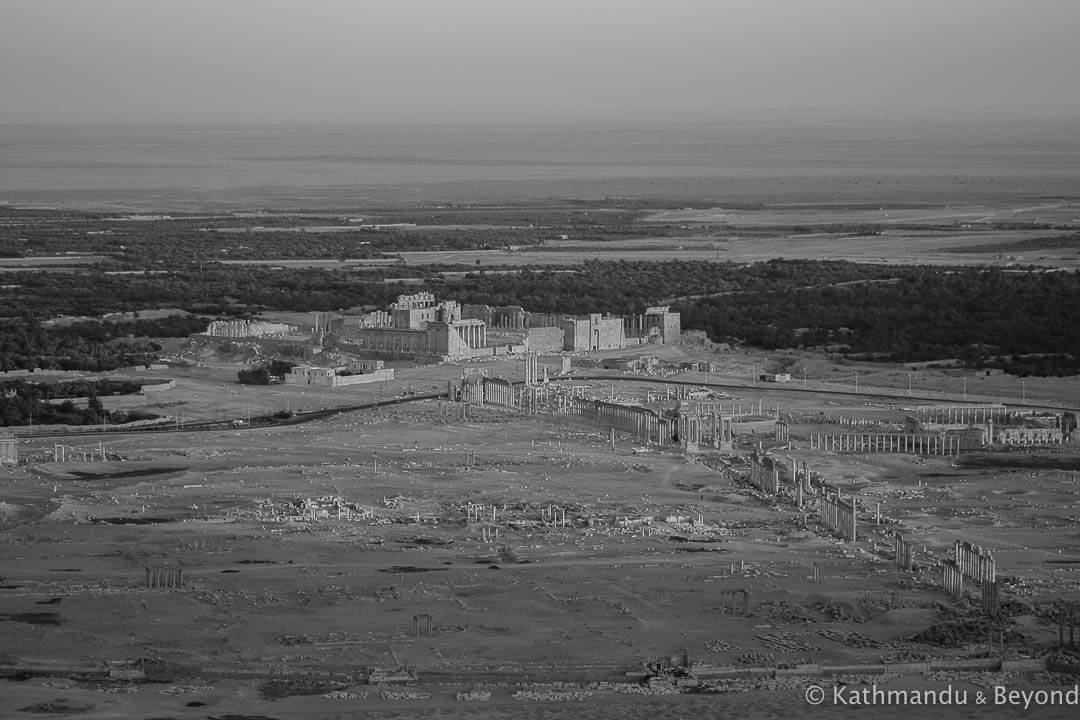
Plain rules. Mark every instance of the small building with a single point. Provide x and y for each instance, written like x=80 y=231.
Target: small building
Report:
x=628 y=364
x=775 y=377
x=9 y=450
x=331 y=377
x=631 y=364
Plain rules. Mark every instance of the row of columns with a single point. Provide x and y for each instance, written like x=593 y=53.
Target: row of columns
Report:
x=952 y=579
x=497 y=391
x=974 y=562
x=988 y=596
x=800 y=479
x=837 y=515
x=423 y=621
x=164 y=577
x=738 y=600
x=473 y=335
x=878 y=442
x=764 y=476
x=478 y=512
x=702 y=428
x=716 y=406
x=392 y=340
x=60 y=453
x=646 y=424
x=902 y=552
x=553 y=514
x=531 y=362
x=959 y=414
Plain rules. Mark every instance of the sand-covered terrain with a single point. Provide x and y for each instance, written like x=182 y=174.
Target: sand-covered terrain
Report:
x=312 y=554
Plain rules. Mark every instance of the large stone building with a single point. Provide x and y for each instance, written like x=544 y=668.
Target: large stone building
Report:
x=451 y=340
x=458 y=339
x=420 y=326
x=656 y=325
x=414 y=312
x=594 y=332
x=662 y=325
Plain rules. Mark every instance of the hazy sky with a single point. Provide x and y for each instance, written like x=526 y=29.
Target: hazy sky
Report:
x=355 y=60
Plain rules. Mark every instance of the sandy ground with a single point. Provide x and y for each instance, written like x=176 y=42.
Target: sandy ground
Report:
x=341 y=594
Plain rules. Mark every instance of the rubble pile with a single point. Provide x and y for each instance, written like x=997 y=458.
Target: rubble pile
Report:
x=655 y=686
x=344 y=695
x=786 y=642
x=785 y=683
x=185 y=689
x=551 y=695
x=757 y=658
x=328 y=507
x=964 y=632
x=404 y=694
x=854 y=639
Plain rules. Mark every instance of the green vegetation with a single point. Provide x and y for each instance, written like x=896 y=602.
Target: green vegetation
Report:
x=262 y=373
x=23 y=403
x=26 y=344
x=1022 y=246
x=219 y=290
x=1021 y=321
x=1024 y=322
x=629 y=287
x=46 y=390
x=179 y=242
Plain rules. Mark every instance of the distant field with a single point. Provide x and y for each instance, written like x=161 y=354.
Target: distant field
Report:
x=964 y=216
x=35 y=262
x=893 y=247
x=62 y=263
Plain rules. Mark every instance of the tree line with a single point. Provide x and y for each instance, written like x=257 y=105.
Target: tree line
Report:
x=23 y=403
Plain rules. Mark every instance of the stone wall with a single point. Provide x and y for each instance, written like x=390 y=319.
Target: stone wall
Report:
x=392 y=341
x=536 y=320
x=246 y=328
x=544 y=339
